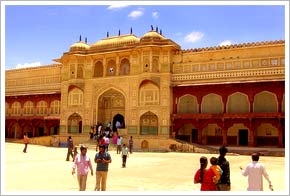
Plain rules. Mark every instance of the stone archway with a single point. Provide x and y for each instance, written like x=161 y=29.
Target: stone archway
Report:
x=111 y=104
x=75 y=123
x=118 y=122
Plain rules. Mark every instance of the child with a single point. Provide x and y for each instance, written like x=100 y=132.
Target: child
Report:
x=216 y=169
x=75 y=152
x=124 y=155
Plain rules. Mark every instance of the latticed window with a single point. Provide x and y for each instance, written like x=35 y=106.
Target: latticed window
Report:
x=15 y=109
x=149 y=95
x=55 y=107
x=75 y=97
x=149 y=124
x=28 y=108
x=41 y=108
x=187 y=104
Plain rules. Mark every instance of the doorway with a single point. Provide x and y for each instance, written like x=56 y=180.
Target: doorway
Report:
x=243 y=137
x=194 y=136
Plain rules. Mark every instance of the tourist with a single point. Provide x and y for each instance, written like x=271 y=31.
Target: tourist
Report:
x=131 y=144
x=224 y=183
x=102 y=159
x=255 y=171
x=26 y=141
x=216 y=169
x=70 y=146
x=119 y=144
x=83 y=163
x=124 y=155
x=205 y=176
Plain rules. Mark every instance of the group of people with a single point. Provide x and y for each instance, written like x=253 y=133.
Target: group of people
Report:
x=217 y=176
x=83 y=164
x=214 y=178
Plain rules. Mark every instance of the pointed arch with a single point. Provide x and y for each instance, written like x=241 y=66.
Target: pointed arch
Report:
x=238 y=103
x=212 y=104
x=187 y=104
x=98 y=69
x=149 y=124
x=265 y=101
x=125 y=67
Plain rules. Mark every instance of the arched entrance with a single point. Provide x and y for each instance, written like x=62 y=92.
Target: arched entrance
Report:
x=118 y=122
x=75 y=123
x=111 y=107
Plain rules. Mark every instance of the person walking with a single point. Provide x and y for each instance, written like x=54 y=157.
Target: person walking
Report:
x=70 y=146
x=102 y=158
x=26 y=141
x=124 y=155
x=205 y=176
x=83 y=163
x=255 y=171
x=224 y=183
x=119 y=144
x=131 y=142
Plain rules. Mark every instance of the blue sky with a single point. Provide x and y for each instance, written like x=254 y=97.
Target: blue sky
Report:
x=37 y=34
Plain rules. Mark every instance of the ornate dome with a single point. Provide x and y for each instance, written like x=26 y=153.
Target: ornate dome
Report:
x=79 y=46
x=116 y=41
x=153 y=35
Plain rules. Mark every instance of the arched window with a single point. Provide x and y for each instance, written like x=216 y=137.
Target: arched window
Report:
x=187 y=104
x=111 y=68
x=55 y=107
x=75 y=97
x=265 y=102
x=41 y=108
x=238 y=103
x=155 y=64
x=149 y=124
x=125 y=67
x=15 y=108
x=98 y=70
x=72 y=71
x=149 y=94
x=212 y=104
x=28 y=108
x=80 y=73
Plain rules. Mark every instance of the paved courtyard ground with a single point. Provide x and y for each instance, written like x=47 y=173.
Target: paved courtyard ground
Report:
x=45 y=169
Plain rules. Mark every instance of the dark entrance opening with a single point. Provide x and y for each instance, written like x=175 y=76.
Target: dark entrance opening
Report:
x=243 y=137
x=54 y=130
x=194 y=136
x=40 y=131
x=118 y=122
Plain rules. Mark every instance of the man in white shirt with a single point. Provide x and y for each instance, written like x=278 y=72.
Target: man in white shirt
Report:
x=255 y=171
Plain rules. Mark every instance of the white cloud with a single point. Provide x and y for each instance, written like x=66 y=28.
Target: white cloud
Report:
x=193 y=36
x=155 y=15
x=117 y=6
x=226 y=42
x=25 y=65
x=136 y=13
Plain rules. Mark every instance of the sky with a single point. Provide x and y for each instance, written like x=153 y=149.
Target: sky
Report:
x=37 y=34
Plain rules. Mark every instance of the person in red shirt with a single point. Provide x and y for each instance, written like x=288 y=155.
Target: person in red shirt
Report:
x=205 y=176
x=26 y=141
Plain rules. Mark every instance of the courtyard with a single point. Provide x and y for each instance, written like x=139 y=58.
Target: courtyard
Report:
x=45 y=169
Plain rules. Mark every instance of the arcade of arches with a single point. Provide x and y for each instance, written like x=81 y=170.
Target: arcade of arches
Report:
x=238 y=116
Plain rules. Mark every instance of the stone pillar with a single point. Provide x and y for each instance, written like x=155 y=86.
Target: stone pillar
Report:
x=251 y=138
x=200 y=135
x=280 y=137
x=225 y=141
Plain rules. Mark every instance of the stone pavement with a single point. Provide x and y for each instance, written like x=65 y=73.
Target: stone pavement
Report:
x=45 y=169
